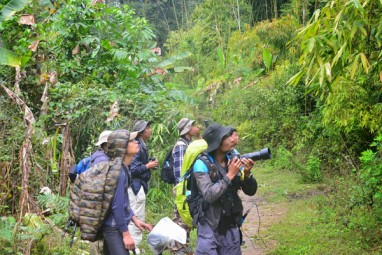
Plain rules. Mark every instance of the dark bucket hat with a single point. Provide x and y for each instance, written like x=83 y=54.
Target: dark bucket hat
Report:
x=140 y=125
x=214 y=135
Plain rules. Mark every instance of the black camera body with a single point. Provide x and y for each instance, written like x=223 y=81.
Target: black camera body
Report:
x=257 y=155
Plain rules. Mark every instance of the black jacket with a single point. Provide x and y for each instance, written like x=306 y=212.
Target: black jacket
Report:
x=139 y=173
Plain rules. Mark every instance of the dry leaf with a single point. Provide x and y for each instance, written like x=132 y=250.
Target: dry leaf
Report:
x=44 y=77
x=114 y=109
x=237 y=81
x=53 y=78
x=157 y=50
x=28 y=115
x=159 y=71
x=17 y=81
x=97 y=2
x=76 y=50
x=380 y=76
x=27 y=19
x=34 y=45
x=44 y=100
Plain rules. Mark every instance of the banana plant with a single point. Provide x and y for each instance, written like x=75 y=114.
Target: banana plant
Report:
x=8 y=57
x=170 y=63
x=269 y=59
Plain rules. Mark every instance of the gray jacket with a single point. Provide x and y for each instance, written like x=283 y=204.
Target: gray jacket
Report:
x=212 y=186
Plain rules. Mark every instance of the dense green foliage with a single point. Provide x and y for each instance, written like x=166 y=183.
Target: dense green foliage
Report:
x=83 y=69
x=310 y=91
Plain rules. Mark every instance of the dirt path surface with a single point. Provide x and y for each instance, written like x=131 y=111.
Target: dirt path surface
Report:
x=261 y=217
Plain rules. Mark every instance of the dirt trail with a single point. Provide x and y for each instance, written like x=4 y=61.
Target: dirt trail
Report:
x=259 y=219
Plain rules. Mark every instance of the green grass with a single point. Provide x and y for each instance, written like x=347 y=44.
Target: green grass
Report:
x=311 y=223
x=281 y=185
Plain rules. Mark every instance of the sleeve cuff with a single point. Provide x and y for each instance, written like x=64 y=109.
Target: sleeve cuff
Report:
x=227 y=180
x=123 y=228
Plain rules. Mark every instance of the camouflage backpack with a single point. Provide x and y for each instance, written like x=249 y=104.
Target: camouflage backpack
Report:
x=91 y=197
x=93 y=191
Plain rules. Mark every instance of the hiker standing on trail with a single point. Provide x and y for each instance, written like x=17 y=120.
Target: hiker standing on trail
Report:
x=218 y=232
x=100 y=155
x=118 y=239
x=140 y=172
x=188 y=129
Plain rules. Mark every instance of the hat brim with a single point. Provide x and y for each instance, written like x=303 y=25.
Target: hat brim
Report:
x=145 y=126
x=101 y=142
x=133 y=135
x=187 y=127
x=216 y=143
x=104 y=135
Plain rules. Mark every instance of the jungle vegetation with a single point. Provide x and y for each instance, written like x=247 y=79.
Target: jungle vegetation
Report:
x=302 y=77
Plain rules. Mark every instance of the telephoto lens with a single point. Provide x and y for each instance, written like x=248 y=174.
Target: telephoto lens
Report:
x=258 y=155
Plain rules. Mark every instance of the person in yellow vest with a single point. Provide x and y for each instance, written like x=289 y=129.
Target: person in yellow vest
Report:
x=188 y=130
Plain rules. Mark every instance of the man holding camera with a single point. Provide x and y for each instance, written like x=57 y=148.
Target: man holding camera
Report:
x=140 y=173
x=218 y=183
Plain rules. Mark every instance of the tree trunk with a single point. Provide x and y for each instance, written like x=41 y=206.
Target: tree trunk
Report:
x=67 y=160
x=266 y=9
x=304 y=11
x=238 y=14
x=276 y=12
x=25 y=151
x=175 y=15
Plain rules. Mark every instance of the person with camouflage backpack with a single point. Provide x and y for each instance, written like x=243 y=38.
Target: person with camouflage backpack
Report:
x=118 y=240
x=99 y=201
x=100 y=155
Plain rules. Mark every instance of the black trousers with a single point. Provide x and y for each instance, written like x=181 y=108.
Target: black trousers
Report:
x=113 y=242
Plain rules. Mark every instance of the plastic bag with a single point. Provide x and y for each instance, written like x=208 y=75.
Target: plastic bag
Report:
x=164 y=235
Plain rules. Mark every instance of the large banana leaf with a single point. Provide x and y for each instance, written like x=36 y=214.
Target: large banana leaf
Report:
x=9 y=58
x=12 y=7
x=267 y=57
x=170 y=62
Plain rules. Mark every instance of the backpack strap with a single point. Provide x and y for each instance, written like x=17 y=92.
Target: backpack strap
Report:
x=204 y=157
x=202 y=205
x=180 y=141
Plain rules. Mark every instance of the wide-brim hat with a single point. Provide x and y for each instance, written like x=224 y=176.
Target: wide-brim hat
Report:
x=140 y=125
x=184 y=125
x=103 y=137
x=214 y=135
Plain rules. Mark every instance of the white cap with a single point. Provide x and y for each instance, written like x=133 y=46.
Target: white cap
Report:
x=103 y=137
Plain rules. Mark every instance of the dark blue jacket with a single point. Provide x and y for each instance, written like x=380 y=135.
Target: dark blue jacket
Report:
x=139 y=173
x=120 y=212
x=98 y=157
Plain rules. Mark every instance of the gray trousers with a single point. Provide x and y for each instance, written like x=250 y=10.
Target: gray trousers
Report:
x=212 y=243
